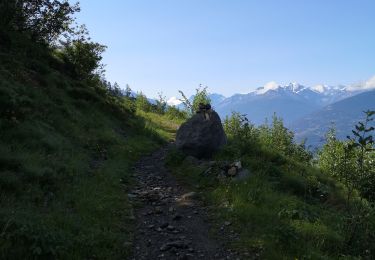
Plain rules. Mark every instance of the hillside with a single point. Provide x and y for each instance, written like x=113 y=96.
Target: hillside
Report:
x=342 y=115
x=285 y=207
x=66 y=151
x=91 y=171
x=74 y=186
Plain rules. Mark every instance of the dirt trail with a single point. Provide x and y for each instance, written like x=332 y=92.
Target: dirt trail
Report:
x=171 y=222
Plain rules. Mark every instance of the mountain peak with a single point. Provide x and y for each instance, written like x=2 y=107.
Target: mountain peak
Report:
x=320 y=88
x=272 y=85
x=295 y=87
x=174 y=101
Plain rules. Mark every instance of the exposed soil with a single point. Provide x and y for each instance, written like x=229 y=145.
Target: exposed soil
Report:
x=171 y=221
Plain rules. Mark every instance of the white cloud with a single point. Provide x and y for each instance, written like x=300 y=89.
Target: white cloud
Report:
x=367 y=85
x=173 y=101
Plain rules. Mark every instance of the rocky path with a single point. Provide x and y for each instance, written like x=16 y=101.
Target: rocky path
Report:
x=171 y=222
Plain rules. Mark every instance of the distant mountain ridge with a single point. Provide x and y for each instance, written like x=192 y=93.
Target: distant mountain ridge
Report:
x=308 y=111
x=342 y=115
x=290 y=102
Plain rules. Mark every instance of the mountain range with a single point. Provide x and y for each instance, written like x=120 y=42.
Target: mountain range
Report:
x=341 y=115
x=308 y=111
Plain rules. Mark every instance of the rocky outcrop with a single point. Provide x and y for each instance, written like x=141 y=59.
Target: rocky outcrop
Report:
x=201 y=135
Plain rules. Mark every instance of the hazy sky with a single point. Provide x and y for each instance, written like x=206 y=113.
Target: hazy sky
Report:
x=232 y=46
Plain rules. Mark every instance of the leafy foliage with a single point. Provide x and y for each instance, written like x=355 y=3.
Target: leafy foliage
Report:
x=288 y=208
x=128 y=91
x=176 y=114
x=161 y=103
x=83 y=55
x=275 y=136
x=45 y=20
x=352 y=162
x=142 y=103
x=200 y=97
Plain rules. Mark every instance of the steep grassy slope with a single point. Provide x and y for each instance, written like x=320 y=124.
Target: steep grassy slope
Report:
x=66 y=150
x=284 y=210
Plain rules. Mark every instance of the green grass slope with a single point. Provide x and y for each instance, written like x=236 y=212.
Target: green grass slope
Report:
x=285 y=209
x=66 y=151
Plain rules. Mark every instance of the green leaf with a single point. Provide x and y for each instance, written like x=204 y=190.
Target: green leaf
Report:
x=355 y=133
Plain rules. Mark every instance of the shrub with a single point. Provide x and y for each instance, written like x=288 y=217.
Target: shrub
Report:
x=352 y=161
x=275 y=136
x=141 y=103
x=200 y=97
x=161 y=104
x=174 y=113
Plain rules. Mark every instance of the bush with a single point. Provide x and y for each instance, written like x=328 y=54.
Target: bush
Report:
x=275 y=136
x=174 y=113
x=200 y=97
x=353 y=161
x=237 y=126
x=141 y=103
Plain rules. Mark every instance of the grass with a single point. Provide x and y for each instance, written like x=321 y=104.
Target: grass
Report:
x=161 y=124
x=284 y=210
x=66 y=155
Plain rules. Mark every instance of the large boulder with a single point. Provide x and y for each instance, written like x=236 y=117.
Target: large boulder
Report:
x=201 y=135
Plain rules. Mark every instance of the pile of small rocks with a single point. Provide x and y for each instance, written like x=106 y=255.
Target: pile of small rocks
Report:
x=225 y=170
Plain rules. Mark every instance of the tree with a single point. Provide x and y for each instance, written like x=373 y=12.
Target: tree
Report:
x=84 y=55
x=142 y=103
x=128 y=91
x=114 y=90
x=336 y=160
x=161 y=103
x=45 y=20
x=352 y=161
x=363 y=142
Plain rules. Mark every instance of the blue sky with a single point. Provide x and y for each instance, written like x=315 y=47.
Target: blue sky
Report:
x=232 y=46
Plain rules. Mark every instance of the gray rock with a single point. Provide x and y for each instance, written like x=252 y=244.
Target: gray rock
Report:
x=170 y=228
x=201 y=137
x=173 y=244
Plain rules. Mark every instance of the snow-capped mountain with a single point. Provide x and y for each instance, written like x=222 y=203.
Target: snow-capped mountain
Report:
x=308 y=111
x=319 y=94
x=291 y=101
x=173 y=101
